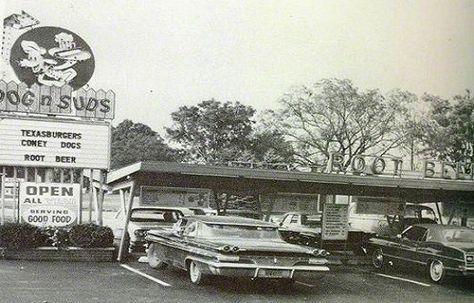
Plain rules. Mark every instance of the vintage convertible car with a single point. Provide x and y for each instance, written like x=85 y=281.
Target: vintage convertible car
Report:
x=145 y=218
x=232 y=246
x=440 y=249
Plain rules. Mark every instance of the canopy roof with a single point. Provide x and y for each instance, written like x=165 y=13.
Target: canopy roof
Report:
x=223 y=178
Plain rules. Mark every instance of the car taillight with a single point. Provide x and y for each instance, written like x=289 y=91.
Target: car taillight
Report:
x=320 y=252
x=229 y=248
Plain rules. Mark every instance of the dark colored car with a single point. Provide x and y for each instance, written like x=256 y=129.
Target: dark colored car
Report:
x=305 y=229
x=440 y=250
x=232 y=246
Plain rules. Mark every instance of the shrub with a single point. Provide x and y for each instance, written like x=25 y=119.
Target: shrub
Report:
x=56 y=236
x=91 y=235
x=17 y=236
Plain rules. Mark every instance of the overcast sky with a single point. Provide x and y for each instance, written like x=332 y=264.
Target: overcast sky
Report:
x=159 y=55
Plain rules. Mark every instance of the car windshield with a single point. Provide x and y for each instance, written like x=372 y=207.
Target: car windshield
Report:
x=238 y=231
x=458 y=235
x=155 y=215
x=198 y=211
x=416 y=212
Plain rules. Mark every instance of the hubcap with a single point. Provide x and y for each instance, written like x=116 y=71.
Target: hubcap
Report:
x=377 y=259
x=436 y=270
x=194 y=272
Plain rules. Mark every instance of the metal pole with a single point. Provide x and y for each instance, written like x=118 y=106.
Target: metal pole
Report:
x=439 y=213
x=3 y=196
x=128 y=213
x=91 y=195
x=100 y=200
x=81 y=187
x=15 y=197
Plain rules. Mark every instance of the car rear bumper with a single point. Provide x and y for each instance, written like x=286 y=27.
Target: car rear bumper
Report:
x=255 y=271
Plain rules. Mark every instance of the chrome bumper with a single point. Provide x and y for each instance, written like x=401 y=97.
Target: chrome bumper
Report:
x=255 y=270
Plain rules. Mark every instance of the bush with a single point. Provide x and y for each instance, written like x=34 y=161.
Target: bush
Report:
x=18 y=236
x=56 y=236
x=91 y=235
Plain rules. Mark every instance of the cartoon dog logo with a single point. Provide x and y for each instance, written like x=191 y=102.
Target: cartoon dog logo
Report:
x=58 y=71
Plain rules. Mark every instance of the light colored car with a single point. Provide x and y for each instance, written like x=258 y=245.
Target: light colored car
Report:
x=232 y=246
x=144 y=218
x=305 y=229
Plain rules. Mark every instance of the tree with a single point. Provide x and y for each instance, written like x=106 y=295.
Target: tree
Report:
x=212 y=132
x=410 y=125
x=448 y=130
x=133 y=142
x=334 y=116
x=270 y=146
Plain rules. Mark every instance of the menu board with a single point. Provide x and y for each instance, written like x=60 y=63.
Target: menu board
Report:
x=335 y=222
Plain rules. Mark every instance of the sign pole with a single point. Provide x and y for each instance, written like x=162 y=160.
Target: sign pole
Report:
x=81 y=200
x=3 y=197
x=91 y=195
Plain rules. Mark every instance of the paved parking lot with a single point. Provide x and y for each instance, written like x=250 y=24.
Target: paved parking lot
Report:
x=26 y=281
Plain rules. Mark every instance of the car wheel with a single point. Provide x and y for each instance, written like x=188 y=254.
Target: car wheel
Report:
x=378 y=260
x=154 y=259
x=195 y=274
x=437 y=271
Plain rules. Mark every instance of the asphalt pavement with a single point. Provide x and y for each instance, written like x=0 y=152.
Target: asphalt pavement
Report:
x=48 y=282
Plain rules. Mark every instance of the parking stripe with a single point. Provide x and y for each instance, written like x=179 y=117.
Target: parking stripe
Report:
x=403 y=279
x=305 y=284
x=162 y=283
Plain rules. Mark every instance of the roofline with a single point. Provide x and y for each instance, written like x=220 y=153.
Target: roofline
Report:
x=295 y=176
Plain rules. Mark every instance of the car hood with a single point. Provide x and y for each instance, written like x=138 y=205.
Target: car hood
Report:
x=303 y=229
x=466 y=247
x=262 y=245
x=149 y=225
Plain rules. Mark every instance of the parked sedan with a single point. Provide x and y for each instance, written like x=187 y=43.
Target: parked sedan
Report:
x=441 y=250
x=145 y=218
x=232 y=246
x=305 y=229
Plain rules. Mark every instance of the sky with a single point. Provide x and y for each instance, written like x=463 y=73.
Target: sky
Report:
x=160 y=55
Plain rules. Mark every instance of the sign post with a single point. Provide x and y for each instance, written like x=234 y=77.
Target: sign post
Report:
x=3 y=198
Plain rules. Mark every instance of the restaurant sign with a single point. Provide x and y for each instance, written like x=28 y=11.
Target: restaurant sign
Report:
x=49 y=204
x=36 y=142
x=393 y=166
x=52 y=56
x=46 y=99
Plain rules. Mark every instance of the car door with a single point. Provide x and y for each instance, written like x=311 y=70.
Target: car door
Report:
x=429 y=247
x=409 y=242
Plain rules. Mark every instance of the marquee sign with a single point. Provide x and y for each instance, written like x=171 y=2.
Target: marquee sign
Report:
x=56 y=100
x=49 y=204
x=52 y=56
x=35 y=142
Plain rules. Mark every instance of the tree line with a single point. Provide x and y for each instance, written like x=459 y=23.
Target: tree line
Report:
x=310 y=123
